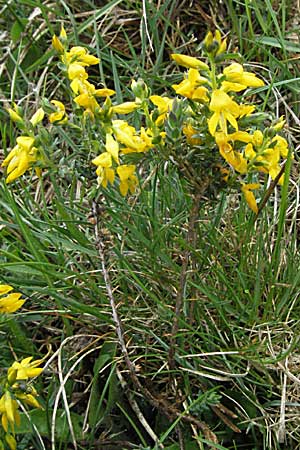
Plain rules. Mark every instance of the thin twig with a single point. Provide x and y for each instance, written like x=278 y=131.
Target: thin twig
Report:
x=191 y=241
x=161 y=404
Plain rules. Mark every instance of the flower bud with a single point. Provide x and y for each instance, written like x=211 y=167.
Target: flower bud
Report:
x=12 y=375
x=57 y=45
x=14 y=116
x=140 y=89
x=37 y=117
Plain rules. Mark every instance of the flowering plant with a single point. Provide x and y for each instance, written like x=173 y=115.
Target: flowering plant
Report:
x=209 y=130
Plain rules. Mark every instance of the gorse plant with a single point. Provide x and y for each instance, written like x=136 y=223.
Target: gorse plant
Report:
x=209 y=130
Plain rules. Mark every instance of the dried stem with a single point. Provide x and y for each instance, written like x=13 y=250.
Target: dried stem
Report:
x=167 y=409
x=191 y=243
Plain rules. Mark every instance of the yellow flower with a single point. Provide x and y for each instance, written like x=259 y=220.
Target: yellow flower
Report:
x=15 y=117
x=88 y=102
x=26 y=368
x=10 y=440
x=57 y=45
x=128 y=180
x=279 y=124
x=234 y=158
x=9 y=411
x=58 y=117
x=250 y=153
x=237 y=79
x=246 y=110
x=5 y=288
x=105 y=175
x=126 y=134
x=191 y=87
x=164 y=105
x=37 y=117
x=112 y=147
x=225 y=109
x=81 y=56
x=249 y=196
x=189 y=61
x=63 y=34
x=125 y=108
x=28 y=399
x=104 y=92
x=281 y=145
x=104 y=171
x=241 y=136
x=214 y=43
x=76 y=71
x=258 y=138
x=11 y=302
x=20 y=158
x=103 y=160
x=190 y=133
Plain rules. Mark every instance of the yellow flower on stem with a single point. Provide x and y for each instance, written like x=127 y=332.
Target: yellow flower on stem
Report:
x=191 y=87
x=57 y=45
x=20 y=158
x=28 y=399
x=225 y=110
x=112 y=147
x=26 y=368
x=81 y=56
x=88 y=102
x=125 y=108
x=9 y=411
x=15 y=117
x=104 y=169
x=249 y=196
x=11 y=302
x=214 y=44
x=37 y=117
x=234 y=158
x=127 y=135
x=128 y=179
x=104 y=92
x=11 y=442
x=164 y=105
x=189 y=61
x=190 y=133
x=237 y=79
x=59 y=117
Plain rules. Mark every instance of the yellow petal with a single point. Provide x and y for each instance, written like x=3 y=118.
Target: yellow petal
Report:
x=125 y=171
x=5 y=288
x=189 y=61
x=103 y=160
x=112 y=147
x=25 y=141
x=12 y=443
x=37 y=117
x=14 y=116
x=57 y=45
x=125 y=108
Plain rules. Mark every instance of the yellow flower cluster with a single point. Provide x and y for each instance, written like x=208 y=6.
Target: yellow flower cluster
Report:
x=246 y=148
x=14 y=390
x=120 y=138
x=211 y=114
x=22 y=157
